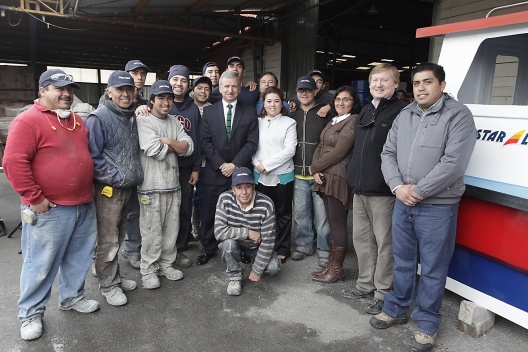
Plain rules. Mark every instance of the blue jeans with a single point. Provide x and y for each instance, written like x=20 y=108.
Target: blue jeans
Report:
x=61 y=241
x=424 y=233
x=231 y=255
x=307 y=204
x=132 y=242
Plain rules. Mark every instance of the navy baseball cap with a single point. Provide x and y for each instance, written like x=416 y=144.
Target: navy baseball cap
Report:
x=209 y=64
x=133 y=64
x=306 y=82
x=161 y=87
x=242 y=175
x=317 y=72
x=119 y=79
x=57 y=78
x=236 y=58
x=179 y=70
x=202 y=79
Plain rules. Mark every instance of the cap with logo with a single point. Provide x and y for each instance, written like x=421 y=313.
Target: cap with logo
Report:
x=242 y=175
x=202 y=79
x=134 y=64
x=209 y=64
x=57 y=78
x=317 y=72
x=179 y=70
x=119 y=79
x=306 y=82
x=236 y=58
x=161 y=87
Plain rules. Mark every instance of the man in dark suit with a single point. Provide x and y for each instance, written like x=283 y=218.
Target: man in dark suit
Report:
x=229 y=138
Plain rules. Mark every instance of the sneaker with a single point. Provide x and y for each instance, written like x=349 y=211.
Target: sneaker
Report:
x=298 y=255
x=423 y=342
x=182 y=261
x=354 y=292
x=375 y=307
x=323 y=262
x=234 y=288
x=31 y=329
x=133 y=258
x=171 y=273
x=115 y=297
x=128 y=285
x=83 y=306
x=94 y=273
x=151 y=281
x=383 y=321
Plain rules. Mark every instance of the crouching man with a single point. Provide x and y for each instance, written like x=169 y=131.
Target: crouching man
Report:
x=245 y=227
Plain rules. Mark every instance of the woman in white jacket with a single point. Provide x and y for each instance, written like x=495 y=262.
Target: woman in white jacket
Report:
x=273 y=164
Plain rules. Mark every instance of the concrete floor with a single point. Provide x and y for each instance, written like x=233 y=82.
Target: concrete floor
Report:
x=287 y=312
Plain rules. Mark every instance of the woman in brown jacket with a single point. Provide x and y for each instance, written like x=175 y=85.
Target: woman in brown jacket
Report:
x=329 y=171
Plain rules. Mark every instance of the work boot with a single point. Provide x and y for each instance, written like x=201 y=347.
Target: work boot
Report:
x=334 y=269
x=171 y=273
x=182 y=261
x=115 y=297
x=383 y=321
x=133 y=258
x=234 y=288
x=150 y=281
x=354 y=293
x=128 y=285
x=31 y=329
x=83 y=306
x=423 y=342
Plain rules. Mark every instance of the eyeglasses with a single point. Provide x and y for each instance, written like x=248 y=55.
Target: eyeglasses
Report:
x=303 y=91
x=60 y=77
x=344 y=100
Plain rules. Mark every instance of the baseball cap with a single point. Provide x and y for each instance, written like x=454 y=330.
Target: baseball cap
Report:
x=119 y=79
x=209 y=64
x=179 y=70
x=242 y=175
x=161 y=87
x=317 y=72
x=236 y=58
x=133 y=64
x=306 y=82
x=57 y=78
x=202 y=79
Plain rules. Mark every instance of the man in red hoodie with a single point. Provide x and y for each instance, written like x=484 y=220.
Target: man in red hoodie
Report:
x=48 y=163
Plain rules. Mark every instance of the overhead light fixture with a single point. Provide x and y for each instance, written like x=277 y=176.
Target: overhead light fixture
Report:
x=342 y=60
x=374 y=63
x=400 y=70
x=362 y=68
x=2 y=13
x=387 y=60
x=405 y=67
x=373 y=11
x=320 y=52
x=349 y=56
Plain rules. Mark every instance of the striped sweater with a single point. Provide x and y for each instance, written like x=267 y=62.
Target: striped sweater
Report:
x=231 y=222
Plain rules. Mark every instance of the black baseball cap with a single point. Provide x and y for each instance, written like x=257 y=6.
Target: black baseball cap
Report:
x=119 y=79
x=209 y=64
x=317 y=72
x=161 y=87
x=236 y=58
x=242 y=175
x=133 y=64
x=57 y=78
x=202 y=79
x=306 y=82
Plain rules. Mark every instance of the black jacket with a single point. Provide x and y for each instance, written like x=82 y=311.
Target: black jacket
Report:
x=364 y=174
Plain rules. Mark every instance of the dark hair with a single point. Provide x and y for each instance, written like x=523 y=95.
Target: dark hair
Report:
x=271 y=74
x=438 y=71
x=356 y=108
x=273 y=90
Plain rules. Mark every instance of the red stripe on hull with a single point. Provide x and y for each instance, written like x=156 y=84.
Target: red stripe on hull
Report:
x=494 y=230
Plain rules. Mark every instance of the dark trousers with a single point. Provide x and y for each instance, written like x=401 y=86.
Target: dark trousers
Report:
x=210 y=198
x=184 y=235
x=337 y=214
x=282 y=196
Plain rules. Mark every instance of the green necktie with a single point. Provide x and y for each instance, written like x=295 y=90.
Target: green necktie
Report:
x=228 y=120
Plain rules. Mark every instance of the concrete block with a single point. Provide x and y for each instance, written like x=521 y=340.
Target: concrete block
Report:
x=474 y=319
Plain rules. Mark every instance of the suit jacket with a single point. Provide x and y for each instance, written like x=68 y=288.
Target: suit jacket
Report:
x=218 y=149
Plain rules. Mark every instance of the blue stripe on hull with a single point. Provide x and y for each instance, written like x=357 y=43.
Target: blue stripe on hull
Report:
x=489 y=277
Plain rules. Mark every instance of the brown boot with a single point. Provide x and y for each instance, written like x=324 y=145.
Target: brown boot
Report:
x=335 y=270
x=323 y=271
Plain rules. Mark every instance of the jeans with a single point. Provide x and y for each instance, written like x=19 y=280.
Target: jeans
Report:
x=231 y=251
x=61 y=241
x=307 y=204
x=132 y=242
x=424 y=233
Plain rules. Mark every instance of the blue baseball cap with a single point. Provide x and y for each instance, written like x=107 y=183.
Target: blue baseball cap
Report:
x=119 y=79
